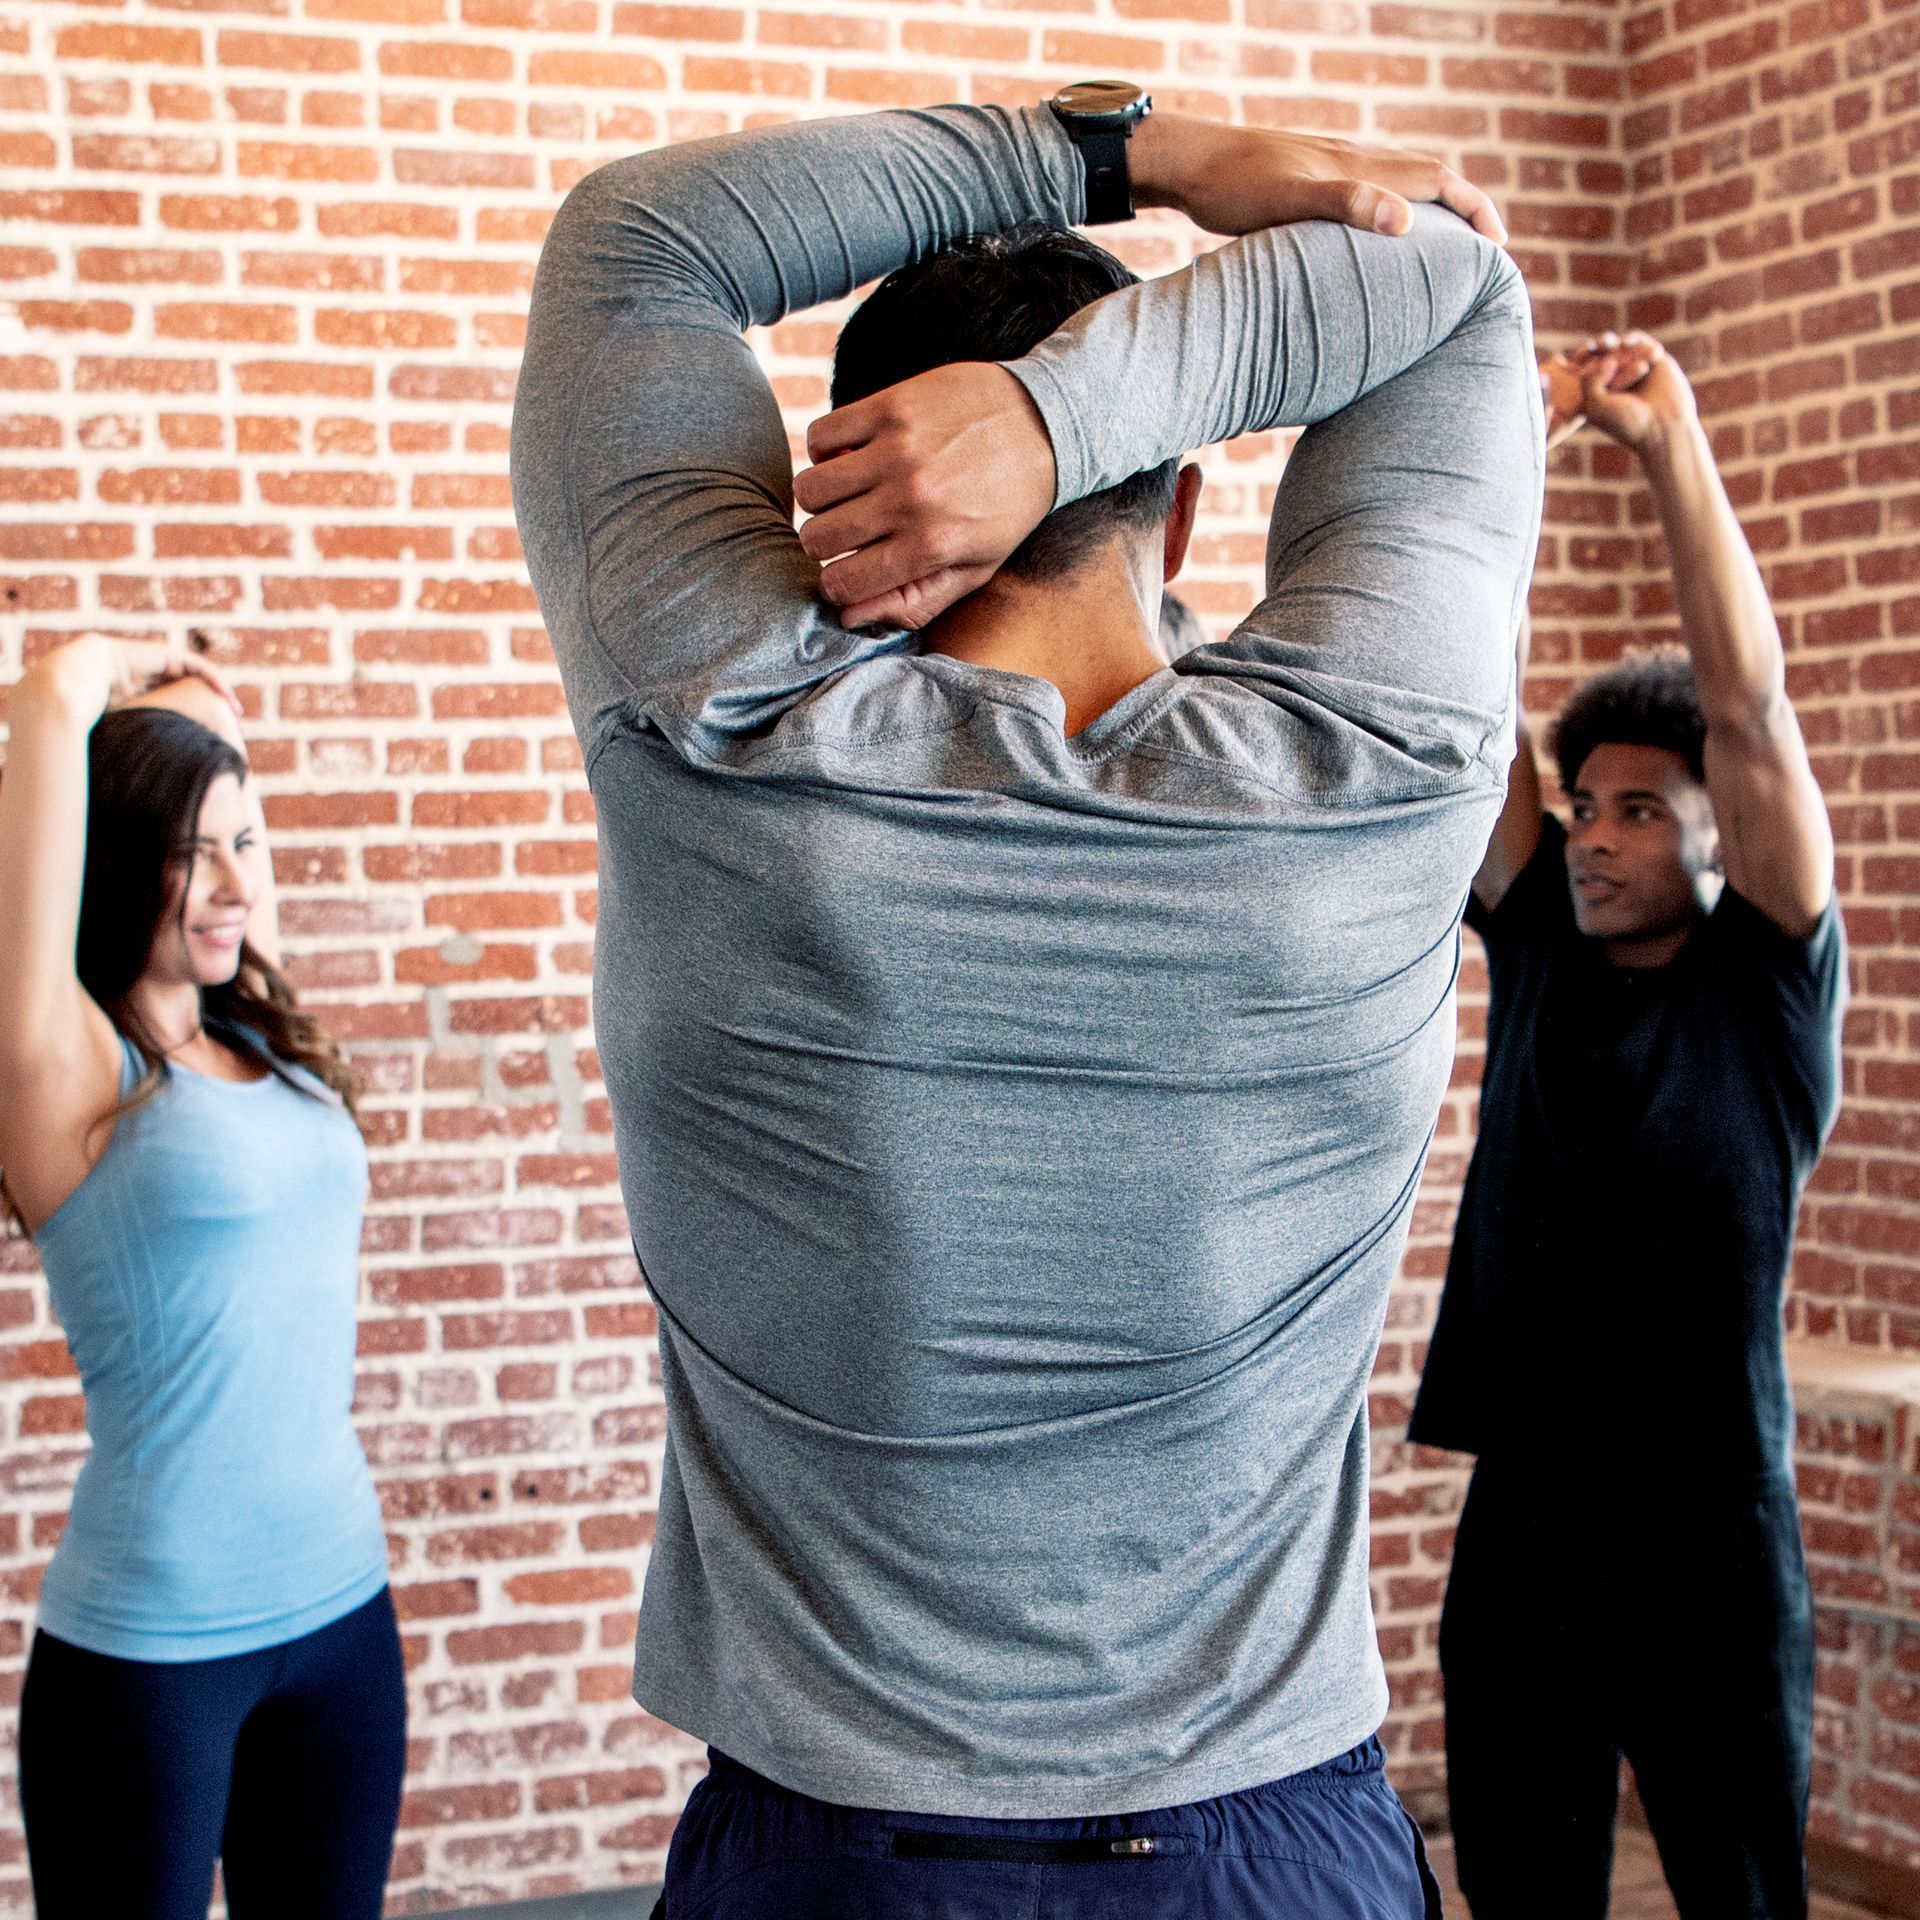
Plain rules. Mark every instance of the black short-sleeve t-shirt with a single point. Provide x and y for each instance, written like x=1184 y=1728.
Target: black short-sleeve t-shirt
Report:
x=1615 y=1284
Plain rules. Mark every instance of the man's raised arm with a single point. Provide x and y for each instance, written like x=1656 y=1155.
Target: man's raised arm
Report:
x=651 y=475
x=1406 y=522
x=1776 y=842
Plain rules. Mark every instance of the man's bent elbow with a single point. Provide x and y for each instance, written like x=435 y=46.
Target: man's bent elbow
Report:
x=1503 y=289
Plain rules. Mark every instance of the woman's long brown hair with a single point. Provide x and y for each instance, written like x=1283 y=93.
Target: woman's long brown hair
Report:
x=148 y=771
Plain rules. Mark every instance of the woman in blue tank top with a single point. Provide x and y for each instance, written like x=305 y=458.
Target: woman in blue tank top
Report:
x=216 y=1672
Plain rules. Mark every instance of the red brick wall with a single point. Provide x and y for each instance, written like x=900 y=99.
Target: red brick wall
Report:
x=269 y=266
x=1860 y=1513
x=1774 y=222
x=1770 y=231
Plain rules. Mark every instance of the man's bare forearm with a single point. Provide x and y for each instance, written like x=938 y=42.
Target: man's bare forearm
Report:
x=1516 y=834
x=1237 y=179
x=1775 y=840
x=1725 y=617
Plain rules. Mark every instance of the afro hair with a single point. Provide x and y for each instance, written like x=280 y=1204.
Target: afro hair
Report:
x=1647 y=700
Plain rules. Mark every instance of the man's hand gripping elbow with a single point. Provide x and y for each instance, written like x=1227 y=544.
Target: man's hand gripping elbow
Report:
x=922 y=489
x=1236 y=180
x=918 y=493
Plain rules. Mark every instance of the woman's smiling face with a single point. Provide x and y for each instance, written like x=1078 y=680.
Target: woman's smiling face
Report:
x=212 y=893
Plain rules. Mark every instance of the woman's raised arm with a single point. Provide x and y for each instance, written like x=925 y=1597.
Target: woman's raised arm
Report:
x=59 y=1059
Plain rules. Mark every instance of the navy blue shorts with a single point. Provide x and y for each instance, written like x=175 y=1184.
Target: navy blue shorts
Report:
x=1332 y=1843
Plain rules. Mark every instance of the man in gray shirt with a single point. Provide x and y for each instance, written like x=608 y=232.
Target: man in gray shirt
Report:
x=1022 y=1052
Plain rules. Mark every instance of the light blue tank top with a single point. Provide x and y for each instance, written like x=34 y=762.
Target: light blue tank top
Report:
x=206 y=1275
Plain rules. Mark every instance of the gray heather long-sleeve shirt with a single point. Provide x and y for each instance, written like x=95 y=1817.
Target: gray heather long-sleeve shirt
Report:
x=1020 y=1131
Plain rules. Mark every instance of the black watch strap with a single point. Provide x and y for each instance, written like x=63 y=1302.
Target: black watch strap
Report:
x=1098 y=116
x=1109 y=184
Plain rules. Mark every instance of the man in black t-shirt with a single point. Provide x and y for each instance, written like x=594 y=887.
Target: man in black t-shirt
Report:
x=1662 y=1067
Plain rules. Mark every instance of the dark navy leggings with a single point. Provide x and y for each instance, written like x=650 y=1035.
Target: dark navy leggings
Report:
x=285 y=1765
x=1332 y=1843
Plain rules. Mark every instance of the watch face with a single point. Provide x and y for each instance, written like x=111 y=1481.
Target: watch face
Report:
x=1099 y=99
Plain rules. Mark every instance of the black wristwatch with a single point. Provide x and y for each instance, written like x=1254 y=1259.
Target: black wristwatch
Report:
x=1099 y=115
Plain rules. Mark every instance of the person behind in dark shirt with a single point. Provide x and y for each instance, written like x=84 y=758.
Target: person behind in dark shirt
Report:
x=1667 y=977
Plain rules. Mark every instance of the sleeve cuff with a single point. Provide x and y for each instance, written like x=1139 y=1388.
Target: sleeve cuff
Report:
x=1071 y=461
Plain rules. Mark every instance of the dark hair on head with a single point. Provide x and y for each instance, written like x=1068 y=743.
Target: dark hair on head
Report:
x=992 y=297
x=148 y=772
x=1647 y=699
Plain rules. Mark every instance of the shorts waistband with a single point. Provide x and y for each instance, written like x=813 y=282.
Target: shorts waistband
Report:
x=1359 y=1764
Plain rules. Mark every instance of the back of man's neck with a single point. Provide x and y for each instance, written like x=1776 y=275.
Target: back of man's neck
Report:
x=1090 y=633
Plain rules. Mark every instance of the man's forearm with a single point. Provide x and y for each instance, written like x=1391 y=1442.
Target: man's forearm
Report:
x=1166 y=156
x=1282 y=328
x=1725 y=618
x=1238 y=179
x=1516 y=834
x=756 y=225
